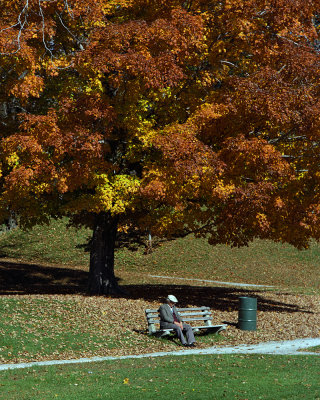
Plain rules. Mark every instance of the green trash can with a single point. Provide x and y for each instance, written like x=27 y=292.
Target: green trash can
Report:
x=247 y=320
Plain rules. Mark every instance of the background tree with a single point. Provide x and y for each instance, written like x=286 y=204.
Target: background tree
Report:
x=162 y=116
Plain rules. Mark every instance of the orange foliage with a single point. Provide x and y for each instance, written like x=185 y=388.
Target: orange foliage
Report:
x=174 y=116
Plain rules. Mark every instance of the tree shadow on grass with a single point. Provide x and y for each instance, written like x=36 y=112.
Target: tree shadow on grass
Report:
x=217 y=298
x=26 y=278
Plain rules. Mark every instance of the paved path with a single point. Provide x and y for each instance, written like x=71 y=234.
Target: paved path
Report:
x=287 y=347
x=233 y=284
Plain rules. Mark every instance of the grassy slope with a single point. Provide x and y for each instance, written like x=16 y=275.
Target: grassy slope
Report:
x=53 y=243
x=262 y=262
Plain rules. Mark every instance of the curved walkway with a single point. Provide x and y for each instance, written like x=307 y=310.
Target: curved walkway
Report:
x=233 y=284
x=287 y=347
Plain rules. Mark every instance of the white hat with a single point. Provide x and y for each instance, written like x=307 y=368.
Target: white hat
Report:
x=172 y=298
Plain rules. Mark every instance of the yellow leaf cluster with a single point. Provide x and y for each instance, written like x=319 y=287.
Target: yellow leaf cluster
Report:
x=41 y=188
x=115 y=194
x=12 y=160
x=222 y=190
x=262 y=221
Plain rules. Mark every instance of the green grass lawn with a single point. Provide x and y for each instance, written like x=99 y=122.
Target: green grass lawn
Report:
x=238 y=377
x=34 y=329
x=52 y=243
x=263 y=262
x=315 y=349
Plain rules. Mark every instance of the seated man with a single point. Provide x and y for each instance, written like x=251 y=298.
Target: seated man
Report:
x=170 y=319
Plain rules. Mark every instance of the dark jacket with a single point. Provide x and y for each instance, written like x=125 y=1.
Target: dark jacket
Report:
x=166 y=316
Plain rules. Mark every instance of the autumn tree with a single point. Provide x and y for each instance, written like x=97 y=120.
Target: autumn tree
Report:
x=163 y=116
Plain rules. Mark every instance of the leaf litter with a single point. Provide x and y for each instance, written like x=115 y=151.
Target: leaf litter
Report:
x=47 y=327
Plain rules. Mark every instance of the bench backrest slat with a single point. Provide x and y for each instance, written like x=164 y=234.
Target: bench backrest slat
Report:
x=197 y=314
x=184 y=314
x=198 y=319
x=153 y=310
x=157 y=320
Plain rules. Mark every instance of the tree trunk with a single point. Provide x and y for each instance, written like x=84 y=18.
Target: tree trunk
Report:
x=102 y=280
x=11 y=222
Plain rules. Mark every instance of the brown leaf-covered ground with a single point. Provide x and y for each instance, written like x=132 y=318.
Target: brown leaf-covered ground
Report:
x=281 y=315
x=55 y=305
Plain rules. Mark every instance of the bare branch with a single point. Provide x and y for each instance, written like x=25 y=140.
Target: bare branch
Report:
x=21 y=22
x=228 y=62
x=43 y=29
x=282 y=68
x=71 y=34
x=296 y=43
x=69 y=10
x=262 y=13
x=283 y=136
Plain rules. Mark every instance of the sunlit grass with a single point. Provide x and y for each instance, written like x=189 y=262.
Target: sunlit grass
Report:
x=315 y=349
x=50 y=327
x=54 y=243
x=248 y=377
x=263 y=262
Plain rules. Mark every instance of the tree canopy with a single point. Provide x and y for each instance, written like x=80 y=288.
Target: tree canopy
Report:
x=162 y=116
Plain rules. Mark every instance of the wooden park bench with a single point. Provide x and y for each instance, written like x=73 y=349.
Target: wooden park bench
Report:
x=189 y=315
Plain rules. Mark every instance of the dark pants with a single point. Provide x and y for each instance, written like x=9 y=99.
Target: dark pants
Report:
x=186 y=328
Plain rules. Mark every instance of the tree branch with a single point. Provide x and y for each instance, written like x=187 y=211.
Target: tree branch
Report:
x=22 y=20
x=19 y=23
x=71 y=34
